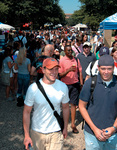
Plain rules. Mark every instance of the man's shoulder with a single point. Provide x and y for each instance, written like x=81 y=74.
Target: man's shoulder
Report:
x=92 y=54
x=27 y=59
x=62 y=84
x=79 y=55
x=63 y=59
x=32 y=88
x=88 y=81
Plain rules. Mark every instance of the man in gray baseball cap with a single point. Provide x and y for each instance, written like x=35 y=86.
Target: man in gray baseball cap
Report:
x=101 y=116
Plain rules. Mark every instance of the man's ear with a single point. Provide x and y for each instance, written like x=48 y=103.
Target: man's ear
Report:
x=43 y=69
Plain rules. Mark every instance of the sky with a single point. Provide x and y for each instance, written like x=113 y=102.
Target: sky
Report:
x=69 y=6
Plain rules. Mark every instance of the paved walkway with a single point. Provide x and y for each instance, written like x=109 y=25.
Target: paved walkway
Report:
x=11 y=130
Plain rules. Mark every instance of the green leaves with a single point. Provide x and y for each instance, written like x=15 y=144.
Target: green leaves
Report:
x=39 y=12
x=92 y=12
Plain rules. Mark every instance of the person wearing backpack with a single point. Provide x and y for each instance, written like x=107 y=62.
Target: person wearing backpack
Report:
x=101 y=114
x=21 y=39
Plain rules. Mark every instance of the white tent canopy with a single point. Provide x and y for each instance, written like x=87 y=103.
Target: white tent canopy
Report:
x=80 y=25
x=6 y=27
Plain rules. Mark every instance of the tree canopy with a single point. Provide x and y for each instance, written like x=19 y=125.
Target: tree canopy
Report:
x=92 y=12
x=36 y=11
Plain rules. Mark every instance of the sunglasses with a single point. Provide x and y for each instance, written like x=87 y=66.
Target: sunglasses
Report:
x=70 y=50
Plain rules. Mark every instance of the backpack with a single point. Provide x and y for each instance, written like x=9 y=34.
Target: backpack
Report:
x=20 y=41
x=93 y=84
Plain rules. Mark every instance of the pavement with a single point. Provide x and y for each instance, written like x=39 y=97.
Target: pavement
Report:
x=11 y=129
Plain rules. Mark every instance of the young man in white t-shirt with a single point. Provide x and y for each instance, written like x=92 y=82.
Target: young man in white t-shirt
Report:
x=45 y=130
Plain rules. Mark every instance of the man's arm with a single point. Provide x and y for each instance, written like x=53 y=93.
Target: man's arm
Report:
x=81 y=78
x=65 y=108
x=80 y=72
x=26 y=125
x=85 y=115
x=115 y=125
x=33 y=71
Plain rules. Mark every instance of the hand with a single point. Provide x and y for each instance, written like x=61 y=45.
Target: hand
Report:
x=107 y=133
x=64 y=133
x=99 y=135
x=27 y=141
x=73 y=68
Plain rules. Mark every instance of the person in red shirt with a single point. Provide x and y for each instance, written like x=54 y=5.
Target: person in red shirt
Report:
x=68 y=72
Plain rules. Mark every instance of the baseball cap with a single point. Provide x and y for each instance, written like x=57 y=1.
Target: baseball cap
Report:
x=40 y=37
x=103 y=50
x=87 y=44
x=106 y=60
x=50 y=63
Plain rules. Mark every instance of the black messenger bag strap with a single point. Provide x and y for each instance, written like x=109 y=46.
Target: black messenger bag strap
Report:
x=44 y=93
x=59 y=119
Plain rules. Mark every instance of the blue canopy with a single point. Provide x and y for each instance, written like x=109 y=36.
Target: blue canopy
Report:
x=110 y=23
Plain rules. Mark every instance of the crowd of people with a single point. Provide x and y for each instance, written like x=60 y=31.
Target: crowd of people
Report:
x=63 y=61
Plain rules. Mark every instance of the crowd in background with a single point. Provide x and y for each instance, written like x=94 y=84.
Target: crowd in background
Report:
x=23 y=52
x=33 y=44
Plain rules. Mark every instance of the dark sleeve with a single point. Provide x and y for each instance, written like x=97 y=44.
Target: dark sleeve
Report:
x=85 y=92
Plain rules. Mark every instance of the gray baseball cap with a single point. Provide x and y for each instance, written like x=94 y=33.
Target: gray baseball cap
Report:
x=106 y=60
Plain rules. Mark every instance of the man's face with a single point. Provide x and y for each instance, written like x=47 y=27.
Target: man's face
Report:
x=68 y=51
x=86 y=49
x=50 y=75
x=106 y=72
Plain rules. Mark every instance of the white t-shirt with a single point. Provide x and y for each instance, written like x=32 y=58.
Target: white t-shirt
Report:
x=43 y=119
x=94 y=69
